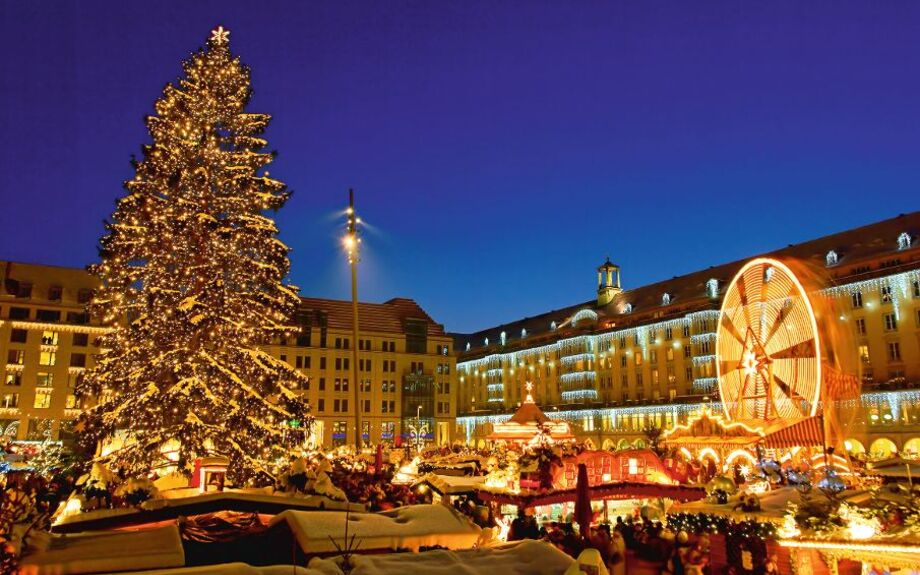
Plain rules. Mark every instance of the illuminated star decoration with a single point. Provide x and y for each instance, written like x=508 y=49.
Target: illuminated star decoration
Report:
x=220 y=36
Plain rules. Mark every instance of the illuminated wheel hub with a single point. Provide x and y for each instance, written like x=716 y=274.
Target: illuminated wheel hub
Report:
x=768 y=360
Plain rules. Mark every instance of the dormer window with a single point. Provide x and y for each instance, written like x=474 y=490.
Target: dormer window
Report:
x=904 y=241
x=712 y=288
x=503 y=337
x=552 y=326
x=523 y=332
x=487 y=342
x=831 y=258
x=665 y=298
x=768 y=274
x=627 y=308
x=467 y=346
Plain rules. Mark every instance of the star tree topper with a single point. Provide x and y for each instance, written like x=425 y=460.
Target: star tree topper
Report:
x=220 y=36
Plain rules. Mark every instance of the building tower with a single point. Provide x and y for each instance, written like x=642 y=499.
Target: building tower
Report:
x=608 y=282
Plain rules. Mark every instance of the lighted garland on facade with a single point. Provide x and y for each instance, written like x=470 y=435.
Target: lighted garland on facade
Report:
x=196 y=269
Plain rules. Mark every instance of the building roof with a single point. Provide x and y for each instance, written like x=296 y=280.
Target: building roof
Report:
x=863 y=252
x=388 y=317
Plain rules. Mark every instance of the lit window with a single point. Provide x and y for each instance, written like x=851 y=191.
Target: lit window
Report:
x=886 y=293
x=891 y=322
x=665 y=299
x=831 y=258
x=10 y=400
x=46 y=358
x=856 y=299
x=45 y=380
x=49 y=338
x=712 y=288
x=904 y=241
x=894 y=351
x=42 y=398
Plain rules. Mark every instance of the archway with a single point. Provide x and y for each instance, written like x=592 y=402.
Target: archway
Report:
x=854 y=447
x=911 y=448
x=882 y=448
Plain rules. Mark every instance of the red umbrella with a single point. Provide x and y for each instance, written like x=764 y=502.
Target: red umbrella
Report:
x=378 y=459
x=583 y=513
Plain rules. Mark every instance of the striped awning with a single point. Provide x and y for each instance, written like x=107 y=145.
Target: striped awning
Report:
x=805 y=432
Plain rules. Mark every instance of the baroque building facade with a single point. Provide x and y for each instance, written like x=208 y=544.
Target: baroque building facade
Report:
x=406 y=364
x=633 y=360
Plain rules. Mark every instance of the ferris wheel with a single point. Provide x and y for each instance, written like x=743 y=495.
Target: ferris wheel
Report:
x=768 y=353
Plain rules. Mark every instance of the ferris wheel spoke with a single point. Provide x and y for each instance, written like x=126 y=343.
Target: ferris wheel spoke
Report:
x=801 y=350
x=729 y=326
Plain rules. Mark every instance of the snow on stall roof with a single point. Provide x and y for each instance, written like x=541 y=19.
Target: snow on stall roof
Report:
x=105 y=552
x=233 y=569
x=522 y=558
x=409 y=527
x=452 y=484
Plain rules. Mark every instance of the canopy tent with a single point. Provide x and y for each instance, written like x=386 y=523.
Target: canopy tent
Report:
x=528 y=423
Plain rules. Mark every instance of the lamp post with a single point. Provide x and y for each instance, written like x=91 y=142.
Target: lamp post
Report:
x=352 y=242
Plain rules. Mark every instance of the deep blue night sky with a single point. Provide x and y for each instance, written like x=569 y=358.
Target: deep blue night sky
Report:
x=499 y=149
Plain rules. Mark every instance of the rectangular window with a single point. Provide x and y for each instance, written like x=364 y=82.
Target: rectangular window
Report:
x=891 y=322
x=638 y=381
x=84 y=295
x=337 y=385
x=80 y=339
x=13 y=379
x=15 y=356
x=321 y=405
x=653 y=356
x=654 y=377
x=639 y=358
x=19 y=313
x=338 y=343
x=861 y=326
x=669 y=354
x=55 y=293
x=48 y=315
x=339 y=433
x=856 y=299
x=383 y=406
x=322 y=362
x=392 y=406
x=885 y=292
x=19 y=336
x=47 y=358
x=10 y=400
x=335 y=405
x=298 y=362
x=49 y=338
x=322 y=384
x=71 y=401
x=915 y=287
x=338 y=364
x=688 y=374
x=345 y=363
x=367 y=404
x=894 y=351
x=78 y=360
x=864 y=353
x=42 y=398
x=345 y=384
x=77 y=318
x=283 y=357
x=669 y=333
x=622 y=361
x=688 y=351
x=44 y=380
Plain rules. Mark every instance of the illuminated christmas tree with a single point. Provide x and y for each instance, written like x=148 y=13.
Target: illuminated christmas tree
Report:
x=192 y=278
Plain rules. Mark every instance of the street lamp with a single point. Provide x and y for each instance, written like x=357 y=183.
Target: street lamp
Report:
x=352 y=242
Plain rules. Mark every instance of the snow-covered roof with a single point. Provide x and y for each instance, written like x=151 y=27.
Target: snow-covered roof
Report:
x=408 y=527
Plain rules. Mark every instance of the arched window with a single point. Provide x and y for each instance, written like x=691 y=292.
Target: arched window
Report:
x=583 y=315
x=487 y=342
x=831 y=258
x=665 y=298
x=552 y=326
x=523 y=332
x=904 y=241
x=503 y=337
x=627 y=308
x=768 y=274
x=467 y=346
